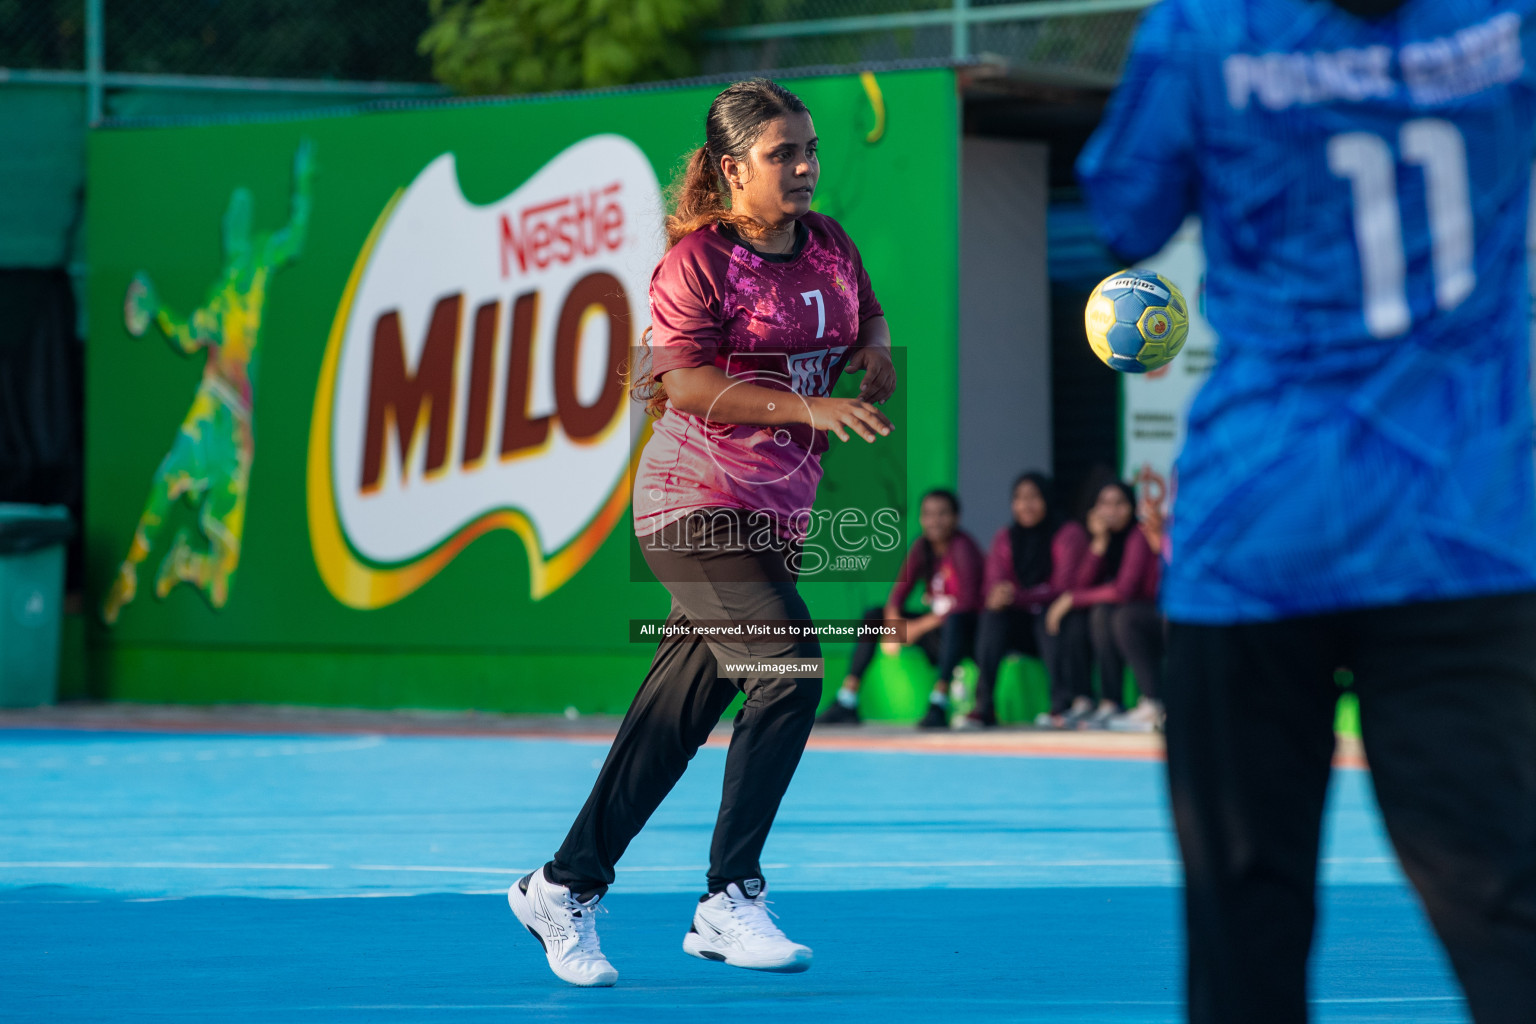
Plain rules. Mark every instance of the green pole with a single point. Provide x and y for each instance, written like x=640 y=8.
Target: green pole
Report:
x=94 y=60
x=962 y=30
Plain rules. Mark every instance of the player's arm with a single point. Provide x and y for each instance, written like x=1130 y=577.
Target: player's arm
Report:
x=142 y=306
x=707 y=392
x=185 y=336
x=873 y=359
x=288 y=240
x=1138 y=169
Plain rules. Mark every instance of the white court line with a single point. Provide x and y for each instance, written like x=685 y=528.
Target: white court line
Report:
x=439 y=868
x=992 y=1001
x=928 y=865
x=164 y=865
x=1390 y=999
x=267 y=749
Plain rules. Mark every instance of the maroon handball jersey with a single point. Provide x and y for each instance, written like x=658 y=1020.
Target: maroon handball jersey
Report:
x=789 y=324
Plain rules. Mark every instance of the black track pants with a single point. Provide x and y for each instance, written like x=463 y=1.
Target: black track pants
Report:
x=1128 y=633
x=1448 y=717
x=1002 y=630
x=946 y=647
x=713 y=576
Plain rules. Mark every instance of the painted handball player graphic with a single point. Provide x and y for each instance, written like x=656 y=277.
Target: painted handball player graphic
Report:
x=209 y=464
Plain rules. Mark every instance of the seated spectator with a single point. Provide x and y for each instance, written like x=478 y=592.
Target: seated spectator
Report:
x=1111 y=609
x=949 y=563
x=1030 y=562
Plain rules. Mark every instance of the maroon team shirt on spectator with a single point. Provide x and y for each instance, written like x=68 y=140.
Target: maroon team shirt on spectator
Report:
x=953 y=582
x=1136 y=581
x=789 y=323
x=1068 y=546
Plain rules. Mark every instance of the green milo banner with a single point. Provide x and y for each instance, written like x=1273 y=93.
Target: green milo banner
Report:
x=358 y=426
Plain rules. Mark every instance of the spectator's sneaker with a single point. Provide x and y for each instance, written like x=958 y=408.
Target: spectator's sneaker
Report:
x=973 y=721
x=1075 y=714
x=564 y=927
x=936 y=717
x=733 y=928
x=1099 y=717
x=838 y=714
x=1146 y=716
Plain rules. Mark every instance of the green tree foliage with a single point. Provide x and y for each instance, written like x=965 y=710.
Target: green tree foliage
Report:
x=519 y=46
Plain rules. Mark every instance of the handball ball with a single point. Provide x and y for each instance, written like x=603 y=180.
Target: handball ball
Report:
x=1136 y=320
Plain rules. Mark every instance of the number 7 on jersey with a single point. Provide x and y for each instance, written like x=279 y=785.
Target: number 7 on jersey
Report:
x=821 y=310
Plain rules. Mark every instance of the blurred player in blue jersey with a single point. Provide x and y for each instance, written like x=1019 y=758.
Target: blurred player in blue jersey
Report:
x=1356 y=486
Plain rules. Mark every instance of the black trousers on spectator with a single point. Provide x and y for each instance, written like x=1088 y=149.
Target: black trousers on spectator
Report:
x=1130 y=632
x=682 y=699
x=946 y=647
x=1070 y=661
x=998 y=632
x=1447 y=694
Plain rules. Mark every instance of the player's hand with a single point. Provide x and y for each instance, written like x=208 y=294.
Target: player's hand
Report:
x=922 y=625
x=874 y=361
x=140 y=305
x=1001 y=596
x=1098 y=530
x=840 y=415
x=1056 y=612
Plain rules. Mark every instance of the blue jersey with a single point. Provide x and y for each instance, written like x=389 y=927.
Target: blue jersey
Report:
x=1365 y=437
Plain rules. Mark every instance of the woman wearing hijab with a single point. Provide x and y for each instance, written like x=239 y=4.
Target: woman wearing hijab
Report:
x=1030 y=562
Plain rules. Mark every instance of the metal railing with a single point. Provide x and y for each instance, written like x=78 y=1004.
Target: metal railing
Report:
x=341 y=48
x=1086 y=39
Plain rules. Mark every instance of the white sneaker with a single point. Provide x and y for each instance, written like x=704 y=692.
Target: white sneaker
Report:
x=1082 y=708
x=732 y=928
x=1146 y=716
x=564 y=927
x=1099 y=717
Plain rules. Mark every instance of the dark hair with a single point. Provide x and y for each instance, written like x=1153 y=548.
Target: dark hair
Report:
x=1370 y=8
x=699 y=197
x=925 y=564
x=1109 y=566
x=945 y=493
x=735 y=120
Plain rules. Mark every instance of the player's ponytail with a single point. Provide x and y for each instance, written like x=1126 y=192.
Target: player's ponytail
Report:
x=699 y=196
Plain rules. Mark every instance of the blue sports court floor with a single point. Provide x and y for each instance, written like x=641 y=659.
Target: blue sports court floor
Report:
x=330 y=877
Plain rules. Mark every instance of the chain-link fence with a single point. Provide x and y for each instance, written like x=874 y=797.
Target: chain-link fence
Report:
x=1083 y=39
x=47 y=35
x=288 y=39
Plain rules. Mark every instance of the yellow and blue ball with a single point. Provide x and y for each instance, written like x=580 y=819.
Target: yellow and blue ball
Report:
x=1137 y=321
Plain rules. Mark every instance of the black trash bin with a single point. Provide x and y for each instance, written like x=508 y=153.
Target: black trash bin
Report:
x=32 y=539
